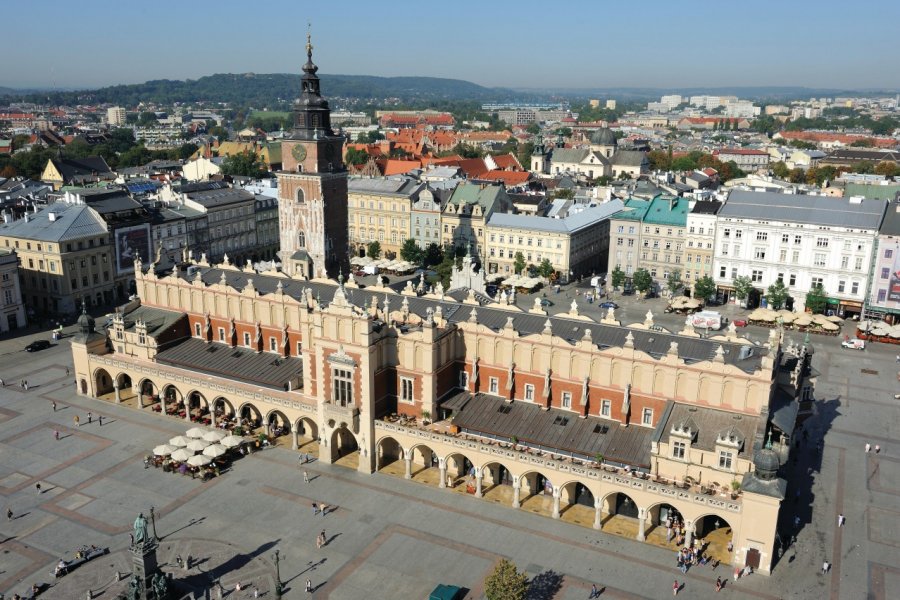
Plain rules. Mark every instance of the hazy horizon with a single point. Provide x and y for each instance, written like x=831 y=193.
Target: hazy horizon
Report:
x=697 y=44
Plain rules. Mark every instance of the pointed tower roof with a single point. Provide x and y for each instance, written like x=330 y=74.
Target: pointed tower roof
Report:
x=312 y=116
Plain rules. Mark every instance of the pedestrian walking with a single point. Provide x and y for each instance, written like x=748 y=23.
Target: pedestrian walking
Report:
x=90 y=418
x=323 y=508
x=877 y=449
x=324 y=539
x=26 y=385
x=67 y=371
x=56 y=434
x=37 y=486
x=54 y=405
x=796 y=522
x=315 y=508
x=737 y=573
x=675 y=587
x=318 y=542
x=100 y=420
x=309 y=585
x=77 y=421
x=868 y=447
x=594 y=592
x=825 y=567
x=9 y=514
x=305 y=477
x=1 y=382
x=841 y=520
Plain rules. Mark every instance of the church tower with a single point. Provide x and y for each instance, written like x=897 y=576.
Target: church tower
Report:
x=539 y=156
x=312 y=188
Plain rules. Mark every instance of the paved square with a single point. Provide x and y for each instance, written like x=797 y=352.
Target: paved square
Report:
x=393 y=538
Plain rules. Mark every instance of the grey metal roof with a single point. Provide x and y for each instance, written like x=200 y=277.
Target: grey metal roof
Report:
x=629 y=158
x=383 y=186
x=569 y=155
x=709 y=422
x=243 y=364
x=813 y=210
x=655 y=343
x=73 y=222
x=706 y=207
x=570 y=224
x=561 y=430
x=891 y=223
x=221 y=197
x=157 y=320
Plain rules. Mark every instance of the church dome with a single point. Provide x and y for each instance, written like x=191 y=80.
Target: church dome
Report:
x=603 y=137
x=766 y=462
x=85 y=322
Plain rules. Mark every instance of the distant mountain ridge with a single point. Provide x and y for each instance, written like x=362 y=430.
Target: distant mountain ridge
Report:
x=262 y=90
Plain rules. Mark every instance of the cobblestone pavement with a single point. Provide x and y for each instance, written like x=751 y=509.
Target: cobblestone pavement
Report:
x=391 y=538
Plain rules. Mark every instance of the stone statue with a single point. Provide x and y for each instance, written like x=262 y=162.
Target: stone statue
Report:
x=140 y=530
x=160 y=587
x=134 y=589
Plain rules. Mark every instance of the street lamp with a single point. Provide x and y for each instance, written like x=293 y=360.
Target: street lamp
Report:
x=153 y=522
x=278 y=589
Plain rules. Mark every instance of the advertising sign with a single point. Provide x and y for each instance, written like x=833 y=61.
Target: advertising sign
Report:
x=132 y=242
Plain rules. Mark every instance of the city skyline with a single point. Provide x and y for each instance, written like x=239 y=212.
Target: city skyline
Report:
x=571 y=48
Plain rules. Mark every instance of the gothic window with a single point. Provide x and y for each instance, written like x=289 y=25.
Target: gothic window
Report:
x=300 y=197
x=301 y=239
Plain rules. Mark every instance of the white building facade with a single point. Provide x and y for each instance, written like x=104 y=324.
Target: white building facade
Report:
x=801 y=240
x=12 y=309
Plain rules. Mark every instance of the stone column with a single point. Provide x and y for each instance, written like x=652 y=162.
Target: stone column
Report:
x=442 y=465
x=642 y=525
x=598 y=512
x=556 y=494
x=688 y=533
x=408 y=460
x=212 y=416
x=116 y=390
x=478 y=476
x=517 y=488
x=295 y=443
x=140 y=399
x=187 y=409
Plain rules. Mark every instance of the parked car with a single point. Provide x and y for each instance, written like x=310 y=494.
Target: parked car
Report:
x=446 y=592
x=739 y=322
x=609 y=304
x=546 y=303
x=37 y=345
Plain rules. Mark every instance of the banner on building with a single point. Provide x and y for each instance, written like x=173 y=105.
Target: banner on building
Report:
x=894 y=287
x=132 y=242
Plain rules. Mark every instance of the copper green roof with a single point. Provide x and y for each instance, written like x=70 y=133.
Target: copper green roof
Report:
x=634 y=210
x=668 y=210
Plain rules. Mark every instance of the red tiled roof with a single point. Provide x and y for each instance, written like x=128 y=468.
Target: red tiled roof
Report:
x=844 y=138
x=473 y=167
x=398 y=167
x=509 y=178
x=507 y=162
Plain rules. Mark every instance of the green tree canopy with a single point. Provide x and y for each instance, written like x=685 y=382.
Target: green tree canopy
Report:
x=642 y=280
x=816 y=301
x=357 y=157
x=777 y=295
x=246 y=164
x=704 y=288
x=545 y=269
x=506 y=582
x=519 y=264
x=673 y=281
x=434 y=254
x=410 y=252
x=617 y=277
x=742 y=287
x=373 y=250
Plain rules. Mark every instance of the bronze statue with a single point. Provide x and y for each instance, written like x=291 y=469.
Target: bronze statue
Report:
x=160 y=587
x=140 y=530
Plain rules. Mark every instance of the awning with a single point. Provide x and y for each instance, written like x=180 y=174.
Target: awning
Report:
x=832 y=301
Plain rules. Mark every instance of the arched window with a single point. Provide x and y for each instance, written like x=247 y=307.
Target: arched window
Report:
x=300 y=197
x=301 y=239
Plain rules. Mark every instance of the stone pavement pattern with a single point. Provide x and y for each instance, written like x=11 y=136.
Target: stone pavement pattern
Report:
x=391 y=538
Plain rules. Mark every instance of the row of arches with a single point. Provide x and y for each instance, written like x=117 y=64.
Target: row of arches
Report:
x=556 y=495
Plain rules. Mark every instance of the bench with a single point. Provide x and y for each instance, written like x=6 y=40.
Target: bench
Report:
x=74 y=564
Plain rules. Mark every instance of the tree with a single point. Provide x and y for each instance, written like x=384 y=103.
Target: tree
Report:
x=519 y=264
x=434 y=255
x=8 y=172
x=220 y=133
x=642 y=280
x=246 y=164
x=660 y=160
x=545 y=269
x=136 y=156
x=467 y=151
x=411 y=253
x=147 y=119
x=373 y=250
x=187 y=150
x=816 y=300
x=506 y=582
x=777 y=294
x=673 y=281
x=533 y=129
x=887 y=168
x=742 y=287
x=704 y=288
x=356 y=157
x=617 y=277
x=780 y=170
x=797 y=175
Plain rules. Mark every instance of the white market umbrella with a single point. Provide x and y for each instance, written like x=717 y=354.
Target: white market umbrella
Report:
x=215 y=450
x=164 y=450
x=197 y=445
x=199 y=460
x=835 y=319
x=214 y=436
x=829 y=326
x=232 y=441
x=195 y=432
x=180 y=440
x=182 y=455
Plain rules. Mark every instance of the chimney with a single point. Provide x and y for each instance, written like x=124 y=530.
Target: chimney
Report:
x=52 y=216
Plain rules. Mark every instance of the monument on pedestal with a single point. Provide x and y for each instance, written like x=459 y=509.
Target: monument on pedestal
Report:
x=147 y=581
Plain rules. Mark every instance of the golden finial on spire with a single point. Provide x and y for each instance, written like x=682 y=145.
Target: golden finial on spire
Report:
x=309 y=47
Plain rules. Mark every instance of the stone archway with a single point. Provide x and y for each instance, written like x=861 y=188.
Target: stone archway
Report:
x=621 y=515
x=497 y=483
x=664 y=523
x=197 y=407
x=306 y=432
x=172 y=400
x=716 y=534
x=537 y=494
x=388 y=453
x=424 y=465
x=249 y=417
x=126 y=392
x=103 y=385
x=277 y=425
x=460 y=473
x=148 y=394
x=344 y=447
x=577 y=504
x=223 y=412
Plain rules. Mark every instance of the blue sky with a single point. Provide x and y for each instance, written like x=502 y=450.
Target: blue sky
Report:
x=525 y=43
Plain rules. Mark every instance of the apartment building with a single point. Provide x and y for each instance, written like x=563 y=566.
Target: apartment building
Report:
x=379 y=209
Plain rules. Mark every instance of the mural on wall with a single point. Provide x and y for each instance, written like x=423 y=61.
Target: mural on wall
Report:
x=132 y=242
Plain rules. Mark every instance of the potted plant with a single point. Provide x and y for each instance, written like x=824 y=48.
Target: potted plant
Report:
x=735 y=488
x=599 y=459
x=515 y=441
x=426 y=417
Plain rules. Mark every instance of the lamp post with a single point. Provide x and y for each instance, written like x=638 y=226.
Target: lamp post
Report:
x=277 y=577
x=153 y=522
